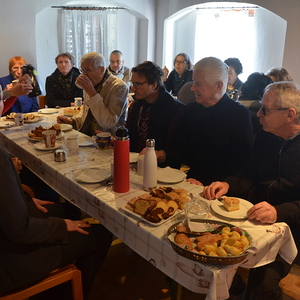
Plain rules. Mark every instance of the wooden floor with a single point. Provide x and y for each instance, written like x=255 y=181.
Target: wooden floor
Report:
x=127 y=276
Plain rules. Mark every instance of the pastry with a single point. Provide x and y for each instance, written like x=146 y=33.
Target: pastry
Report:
x=231 y=203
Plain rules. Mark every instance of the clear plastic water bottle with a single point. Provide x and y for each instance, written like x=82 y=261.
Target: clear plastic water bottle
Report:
x=150 y=166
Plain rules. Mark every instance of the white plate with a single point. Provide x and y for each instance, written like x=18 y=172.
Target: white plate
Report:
x=6 y=124
x=48 y=111
x=36 y=119
x=133 y=157
x=92 y=175
x=139 y=217
x=58 y=137
x=170 y=175
x=85 y=141
x=41 y=146
x=65 y=127
x=218 y=208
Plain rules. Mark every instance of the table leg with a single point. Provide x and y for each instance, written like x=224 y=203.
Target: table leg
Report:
x=175 y=289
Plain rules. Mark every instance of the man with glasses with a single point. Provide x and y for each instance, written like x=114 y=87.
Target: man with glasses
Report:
x=116 y=66
x=154 y=113
x=271 y=178
x=105 y=98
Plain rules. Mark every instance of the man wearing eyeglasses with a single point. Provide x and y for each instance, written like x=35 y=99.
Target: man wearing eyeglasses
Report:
x=105 y=98
x=271 y=178
x=154 y=113
x=116 y=66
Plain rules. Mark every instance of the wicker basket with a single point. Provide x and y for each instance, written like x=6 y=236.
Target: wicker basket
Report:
x=213 y=260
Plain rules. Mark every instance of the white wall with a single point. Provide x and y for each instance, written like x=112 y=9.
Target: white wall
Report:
x=18 y=21
x=29 y=29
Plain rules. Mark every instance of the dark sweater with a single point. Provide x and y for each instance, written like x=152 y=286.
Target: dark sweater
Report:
x=214 y=141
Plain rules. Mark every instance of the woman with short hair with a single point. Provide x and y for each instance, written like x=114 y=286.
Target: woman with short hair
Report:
x=60 y=85
x=181 y=74
x=23 y=104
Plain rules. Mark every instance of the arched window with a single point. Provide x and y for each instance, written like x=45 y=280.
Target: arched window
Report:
x=251 y=33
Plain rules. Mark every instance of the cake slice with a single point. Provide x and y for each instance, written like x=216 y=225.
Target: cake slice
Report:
x=231 y=203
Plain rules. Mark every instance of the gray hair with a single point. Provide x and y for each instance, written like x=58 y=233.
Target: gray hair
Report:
x=287 y=95
x=97 y=59
x=66 y=54
x=215 y=70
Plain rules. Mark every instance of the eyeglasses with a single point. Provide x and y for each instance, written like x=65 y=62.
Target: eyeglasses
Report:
x=118 y=62
x=180 y=62
x=264 y=110
x=138 y=84
x=87 y=71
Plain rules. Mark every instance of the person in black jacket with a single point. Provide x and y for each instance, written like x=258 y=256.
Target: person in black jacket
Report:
x=154 y=113
x=181 y=74
x=35 y=240
x=60 y=85
x=215 y=136
x=271 y=178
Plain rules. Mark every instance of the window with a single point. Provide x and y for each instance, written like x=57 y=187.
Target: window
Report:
x=226 y=33
x=89 y=30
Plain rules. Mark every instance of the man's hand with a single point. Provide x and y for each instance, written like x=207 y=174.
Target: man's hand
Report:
x=263 y=212
x=160 y=154
x=215 y=190
x=194 y=181
x=64 y=120
x=86 y=84
x=77 y=226
x=39 y=204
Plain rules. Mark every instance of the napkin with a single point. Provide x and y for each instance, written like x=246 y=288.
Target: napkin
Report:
x=92 y=175
x=170 y=175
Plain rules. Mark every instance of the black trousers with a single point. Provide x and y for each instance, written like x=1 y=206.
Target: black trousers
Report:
x=264 y=281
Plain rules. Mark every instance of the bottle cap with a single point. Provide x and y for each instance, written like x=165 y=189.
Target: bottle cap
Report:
x=122 y=133
x=150 y=143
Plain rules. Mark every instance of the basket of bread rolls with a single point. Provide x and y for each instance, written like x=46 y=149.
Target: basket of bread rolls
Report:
x=215 y=242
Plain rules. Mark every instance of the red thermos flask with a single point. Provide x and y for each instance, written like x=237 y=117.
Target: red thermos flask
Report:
x=121 y=161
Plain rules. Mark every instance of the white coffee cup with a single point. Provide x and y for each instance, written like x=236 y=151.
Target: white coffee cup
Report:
x=140 y=165
x=72 y=142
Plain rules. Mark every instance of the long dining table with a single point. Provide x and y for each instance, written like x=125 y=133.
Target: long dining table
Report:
x=148 y=240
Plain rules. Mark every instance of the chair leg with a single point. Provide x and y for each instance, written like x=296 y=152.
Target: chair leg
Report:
x=76 y=286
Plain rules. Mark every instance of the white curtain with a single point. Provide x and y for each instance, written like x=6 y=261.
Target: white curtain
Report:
x=88 y=30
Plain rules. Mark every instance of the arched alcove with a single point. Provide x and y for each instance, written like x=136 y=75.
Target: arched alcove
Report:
x=259 y=52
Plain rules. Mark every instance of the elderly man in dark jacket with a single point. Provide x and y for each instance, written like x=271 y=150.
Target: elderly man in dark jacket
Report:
x=271 y=178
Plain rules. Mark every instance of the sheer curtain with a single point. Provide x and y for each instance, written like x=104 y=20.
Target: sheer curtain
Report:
x=88 y=30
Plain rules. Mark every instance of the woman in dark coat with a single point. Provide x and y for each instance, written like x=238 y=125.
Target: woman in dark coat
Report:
x=60 y=85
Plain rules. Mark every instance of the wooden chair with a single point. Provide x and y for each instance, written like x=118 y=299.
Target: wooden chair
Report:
x=55 y=278
x=42 y=101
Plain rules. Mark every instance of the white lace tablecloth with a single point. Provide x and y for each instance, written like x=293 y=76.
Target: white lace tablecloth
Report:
x=148 y=241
